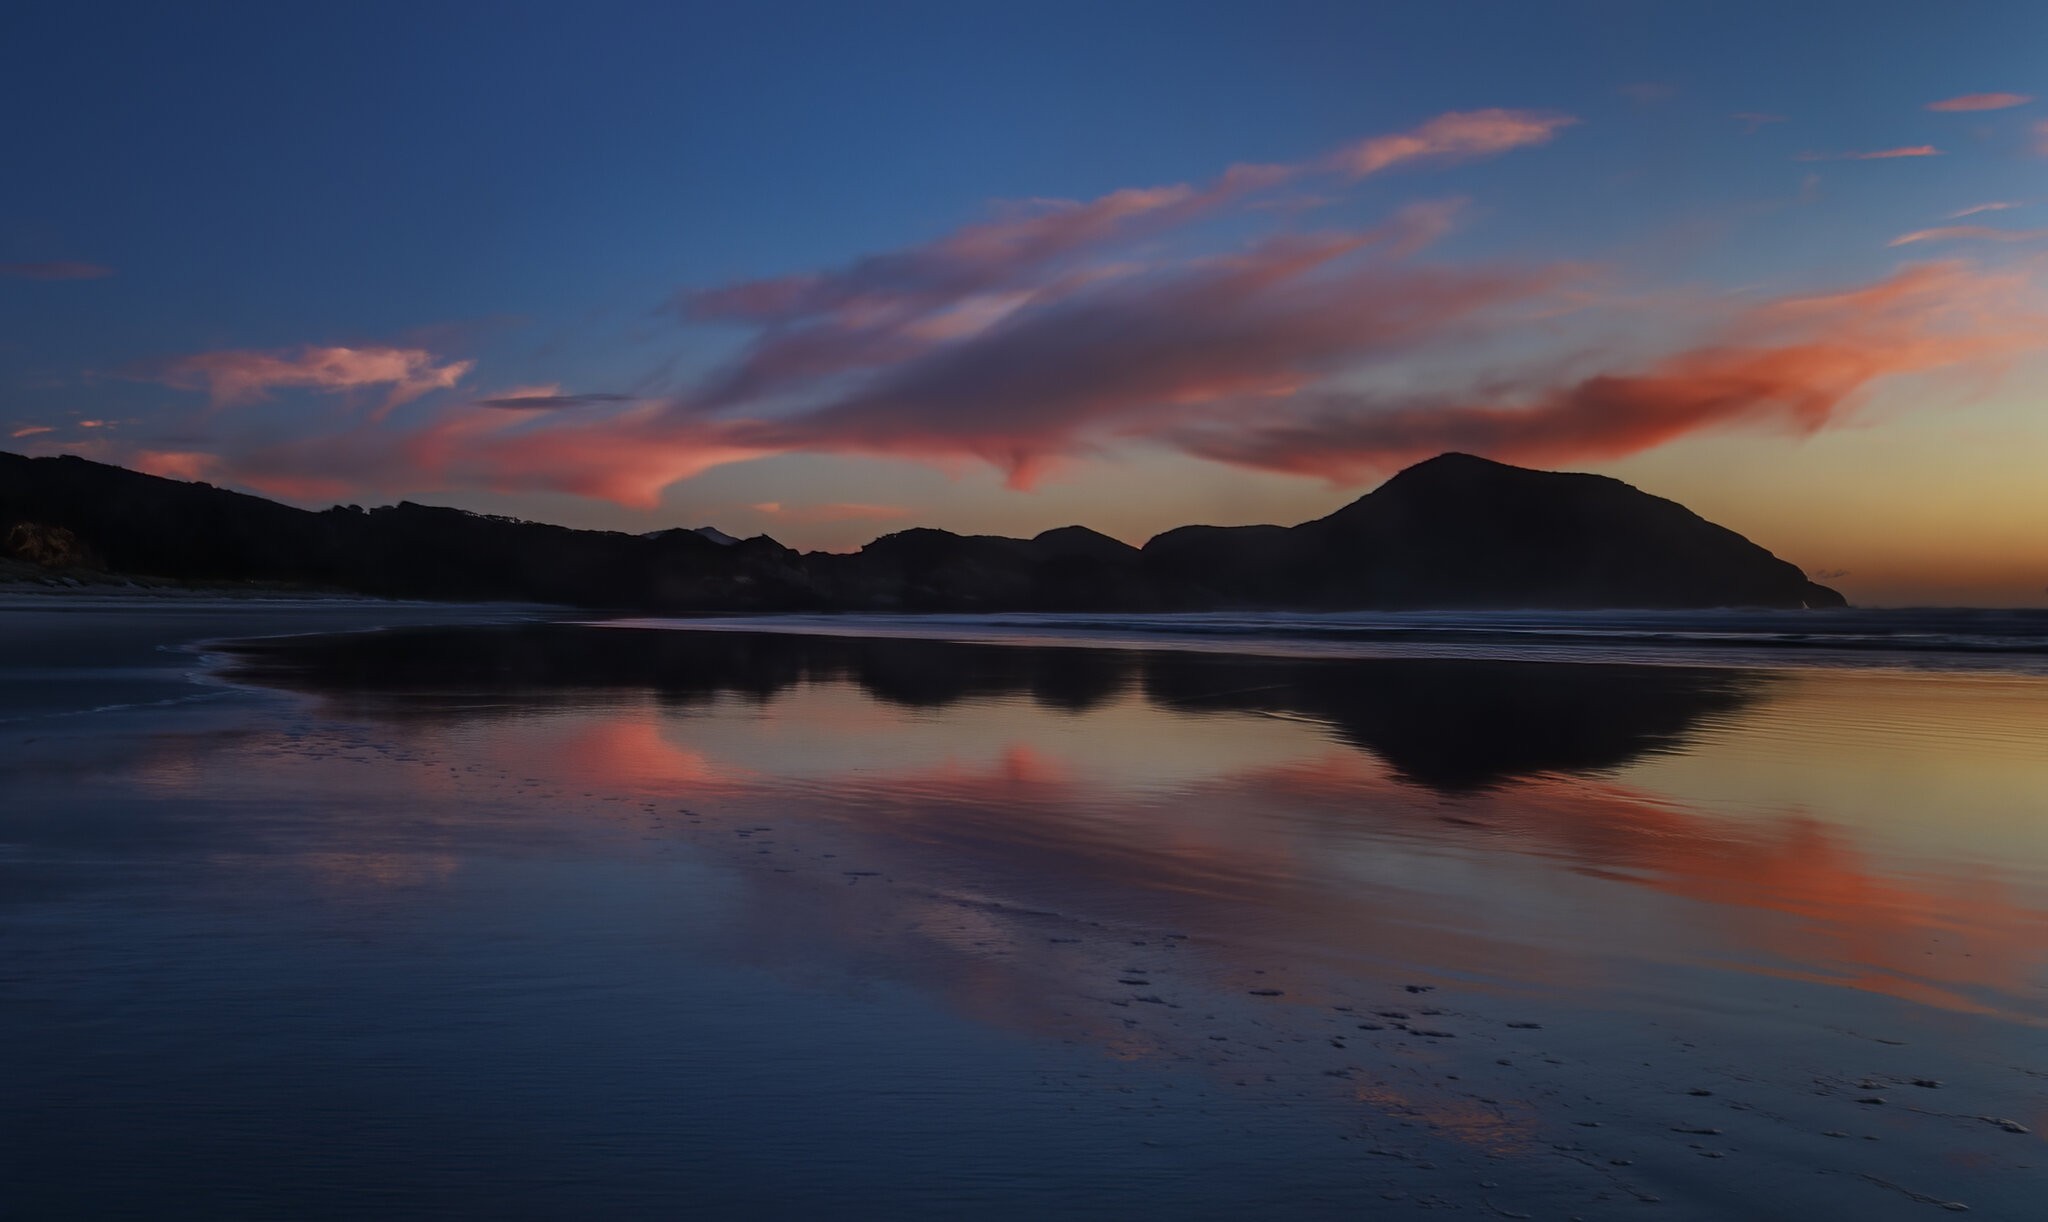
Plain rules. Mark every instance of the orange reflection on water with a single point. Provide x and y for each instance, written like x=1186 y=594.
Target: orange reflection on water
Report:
x=1201 y=800
x=630 y=748
x=1791 y=886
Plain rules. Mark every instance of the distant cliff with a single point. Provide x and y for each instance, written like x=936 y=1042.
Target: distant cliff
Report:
x=1452 y=532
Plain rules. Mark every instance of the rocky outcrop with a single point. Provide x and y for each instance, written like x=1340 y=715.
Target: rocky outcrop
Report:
x=50 y=547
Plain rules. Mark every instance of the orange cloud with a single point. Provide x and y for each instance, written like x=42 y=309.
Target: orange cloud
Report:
x=31 y=430
x=1458 y=136
x=1796 y=364
x=1233 y=360
x=1917 y=150
x=1950 y=233
x=237 y=377
x=1981 y=101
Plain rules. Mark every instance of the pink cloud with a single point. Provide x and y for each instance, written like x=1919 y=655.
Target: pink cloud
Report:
x=967 y=261
x=238 y=377
x=1458 y=136
x=885 y=309
x=31 y=430
x=1981 y=101
x=1974 y=209
x=2041 y=137
x=177 y=464
x=1985 y=233
x=1916 y=150
x=1240 y=360
x=1064 y=380
x=1050 y=381
x=60 y=269
x=1752 y=121
x=1796 y=365
x=627 y=457
x=1021 y=341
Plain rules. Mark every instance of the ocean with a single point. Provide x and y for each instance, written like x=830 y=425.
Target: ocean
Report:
x=457 y=912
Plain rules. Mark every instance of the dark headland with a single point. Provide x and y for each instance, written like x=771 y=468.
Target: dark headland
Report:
x=1454 y=532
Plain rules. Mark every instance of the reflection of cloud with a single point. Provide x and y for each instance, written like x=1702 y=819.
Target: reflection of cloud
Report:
x=1831 y=914
x=629 y=750
x=1308 y=861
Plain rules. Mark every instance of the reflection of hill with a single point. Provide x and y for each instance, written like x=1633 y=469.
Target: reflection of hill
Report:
x=1450 y=724
x=1456 y=724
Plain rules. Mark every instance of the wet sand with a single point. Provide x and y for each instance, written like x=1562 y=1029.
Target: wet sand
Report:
x=546 y=920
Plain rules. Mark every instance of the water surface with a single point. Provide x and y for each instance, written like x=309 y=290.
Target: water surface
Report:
x=550 y=919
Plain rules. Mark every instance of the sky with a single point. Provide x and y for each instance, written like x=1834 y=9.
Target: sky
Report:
x=826 y=271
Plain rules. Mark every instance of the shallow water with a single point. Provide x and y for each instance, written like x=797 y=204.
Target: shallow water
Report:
x=547 y=920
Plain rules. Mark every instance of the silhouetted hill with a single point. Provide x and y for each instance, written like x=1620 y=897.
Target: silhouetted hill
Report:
x=1460 y=531
x=1455 y=531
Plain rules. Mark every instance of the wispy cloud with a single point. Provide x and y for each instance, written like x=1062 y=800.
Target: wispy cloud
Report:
x=1981 y=233
x=238 y=377
x=883 y=310
x=1753 y=120
x=1974 y=209
x=1108 y=364
x=1457 y=136
x=1797 y=365
x=32 y=430
x=60 y=269
x=1915 y=150
x=1039 y=338
x=1981 y=101
x=551 y=401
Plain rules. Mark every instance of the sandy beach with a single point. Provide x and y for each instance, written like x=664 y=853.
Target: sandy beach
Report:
x=541 y=919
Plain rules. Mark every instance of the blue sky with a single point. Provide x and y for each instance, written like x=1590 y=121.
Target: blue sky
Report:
x=537 y=201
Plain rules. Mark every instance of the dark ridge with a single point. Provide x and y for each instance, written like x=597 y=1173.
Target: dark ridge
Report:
x=1453 y=532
